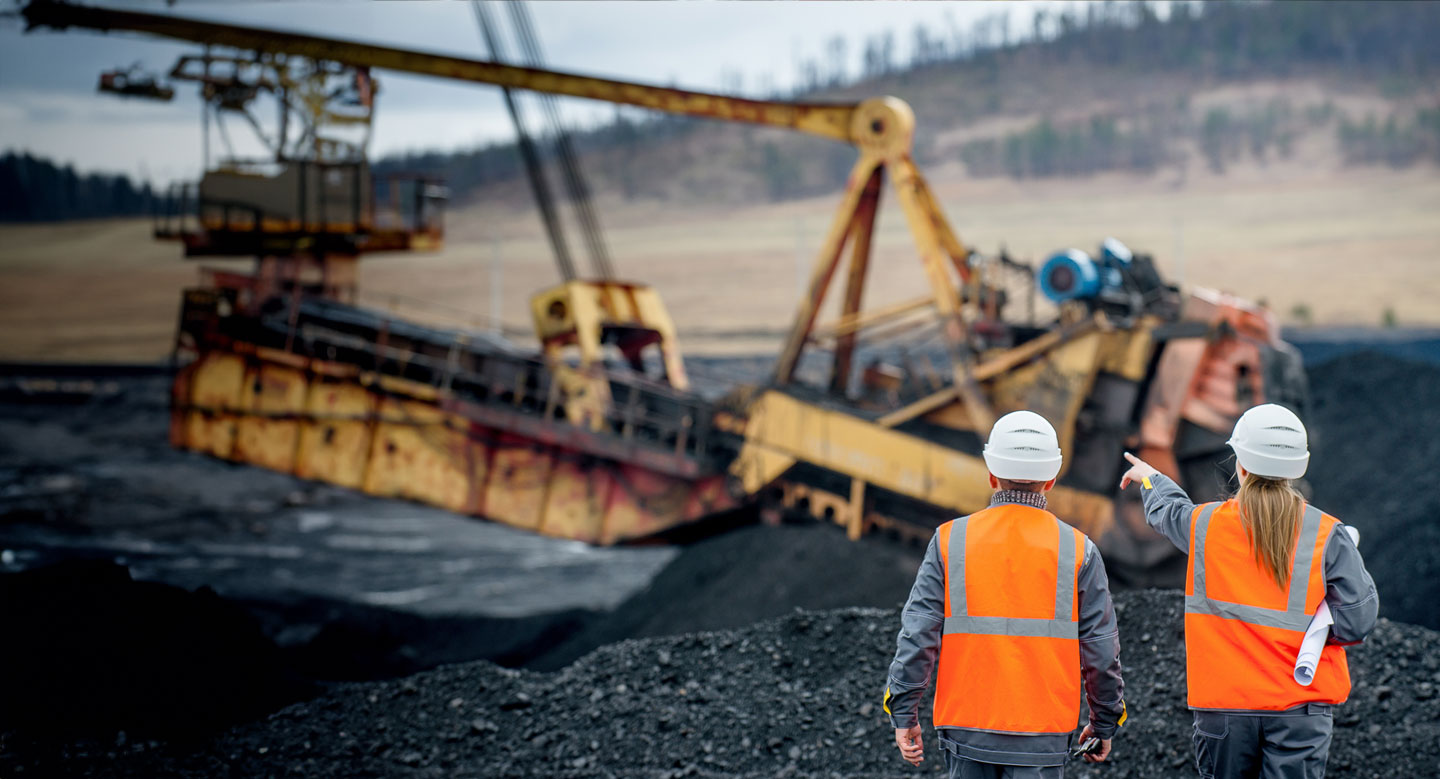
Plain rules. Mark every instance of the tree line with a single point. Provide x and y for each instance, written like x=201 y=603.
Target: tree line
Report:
x=37 y=190
x=1221 y=40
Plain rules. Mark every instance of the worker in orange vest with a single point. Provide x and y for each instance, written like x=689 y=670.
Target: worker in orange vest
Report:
x=1261 y=565
x=1014 y=606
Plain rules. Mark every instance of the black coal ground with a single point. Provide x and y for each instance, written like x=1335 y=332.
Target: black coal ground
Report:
x=640 y=723
x=795 y=696
x=1375 y=454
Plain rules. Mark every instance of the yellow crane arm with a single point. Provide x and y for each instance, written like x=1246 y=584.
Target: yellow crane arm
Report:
x=828 y=120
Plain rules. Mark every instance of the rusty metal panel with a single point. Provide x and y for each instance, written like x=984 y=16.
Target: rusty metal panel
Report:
x=1169 y=390
x=216 y=382
x=643 y=503
x=335 y=438
x=266 y=432
x=479 y=458
x=709 y=495
x=520 y=476
x=415 y=454
x=576 y=500
x=325 y=422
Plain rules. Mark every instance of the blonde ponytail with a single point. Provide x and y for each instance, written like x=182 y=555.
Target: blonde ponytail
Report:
x=1270 y=510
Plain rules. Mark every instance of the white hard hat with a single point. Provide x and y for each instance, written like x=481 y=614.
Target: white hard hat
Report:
x=1270 y=441
x=1023 y=447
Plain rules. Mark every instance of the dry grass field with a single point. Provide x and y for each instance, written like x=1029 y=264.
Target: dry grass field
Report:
x=1346 y=244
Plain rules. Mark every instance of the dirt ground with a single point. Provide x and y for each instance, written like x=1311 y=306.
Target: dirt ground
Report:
x=1348 y=245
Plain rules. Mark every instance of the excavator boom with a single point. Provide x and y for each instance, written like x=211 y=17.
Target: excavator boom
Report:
x=828 y=120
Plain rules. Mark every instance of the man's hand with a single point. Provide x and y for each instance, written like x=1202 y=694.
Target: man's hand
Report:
x=908 y=739
x=1139 y=471
x=1099 y=755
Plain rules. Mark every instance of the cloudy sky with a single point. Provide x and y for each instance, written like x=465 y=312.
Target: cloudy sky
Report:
x=48 y=103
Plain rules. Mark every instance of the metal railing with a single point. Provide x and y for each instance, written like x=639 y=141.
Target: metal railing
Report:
x=473 y=370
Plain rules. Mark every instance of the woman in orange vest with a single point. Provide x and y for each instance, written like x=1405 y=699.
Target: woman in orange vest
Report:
x=1261 y=565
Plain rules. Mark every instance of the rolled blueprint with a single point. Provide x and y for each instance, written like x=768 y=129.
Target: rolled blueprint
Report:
x=1317 y=633
x=1312 y=645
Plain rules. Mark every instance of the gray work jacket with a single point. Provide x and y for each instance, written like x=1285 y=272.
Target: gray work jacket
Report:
x=1349 y=590
x=918 y=650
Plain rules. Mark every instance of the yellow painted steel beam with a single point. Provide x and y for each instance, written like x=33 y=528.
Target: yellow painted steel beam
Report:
x=926 y=226
x=856 y=322
x=823 y=119
x=824 y=269
x=860 y=232
x=784 y=430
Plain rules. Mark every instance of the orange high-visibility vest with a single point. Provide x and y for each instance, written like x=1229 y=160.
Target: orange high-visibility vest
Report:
x=1242 y=631
x=1010 y=651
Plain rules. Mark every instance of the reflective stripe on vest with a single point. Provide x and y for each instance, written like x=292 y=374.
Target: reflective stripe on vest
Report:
x=1060 y=626
x=1293 y=616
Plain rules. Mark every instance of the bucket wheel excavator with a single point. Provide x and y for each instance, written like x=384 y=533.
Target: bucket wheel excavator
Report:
x=872 y=419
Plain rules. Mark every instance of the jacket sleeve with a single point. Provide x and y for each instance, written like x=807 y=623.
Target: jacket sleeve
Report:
x=1349 y=590
x=917 y=648
x=1168 y=510
x=1100 y=646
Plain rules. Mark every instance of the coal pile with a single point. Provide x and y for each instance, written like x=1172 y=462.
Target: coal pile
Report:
x=1375 y=450
x=795 y=696
x=87 y=649
x=747 y=575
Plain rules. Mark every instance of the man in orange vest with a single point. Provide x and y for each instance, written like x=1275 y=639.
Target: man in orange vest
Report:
x=1014 y=606
x=1261 y=564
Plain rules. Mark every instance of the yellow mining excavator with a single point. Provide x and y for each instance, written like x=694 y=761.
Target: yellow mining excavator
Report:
x=872 y=420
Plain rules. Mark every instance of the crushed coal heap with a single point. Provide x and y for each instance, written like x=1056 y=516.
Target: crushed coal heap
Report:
x=795 y=696
x=708 y=671
x=86 y=648
x=1375 y=448
x=747 y=575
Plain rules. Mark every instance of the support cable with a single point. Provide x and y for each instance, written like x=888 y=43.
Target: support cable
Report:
x=569 y=164
x=528 y=154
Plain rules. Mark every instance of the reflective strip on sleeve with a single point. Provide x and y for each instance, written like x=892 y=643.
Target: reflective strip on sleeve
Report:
x=1293 y=616
x=1060 y=626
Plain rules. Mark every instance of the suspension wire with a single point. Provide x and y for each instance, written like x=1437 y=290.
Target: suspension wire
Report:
x=528 y=153
x=574 y=180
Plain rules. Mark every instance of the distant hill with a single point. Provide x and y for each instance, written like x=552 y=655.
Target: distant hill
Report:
x=1099 y=87
x=1103 y=87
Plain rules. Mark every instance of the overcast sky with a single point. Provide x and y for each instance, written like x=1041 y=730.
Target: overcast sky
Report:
x=49 y=106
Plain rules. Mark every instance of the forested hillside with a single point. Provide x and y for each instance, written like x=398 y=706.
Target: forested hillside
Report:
x=1104 y=86
x=36 y=190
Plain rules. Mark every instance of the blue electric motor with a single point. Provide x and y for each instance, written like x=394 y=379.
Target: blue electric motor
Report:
x=1073 y=275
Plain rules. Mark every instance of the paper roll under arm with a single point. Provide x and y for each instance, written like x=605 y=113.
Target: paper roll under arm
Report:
x=1313 y=644
x=1317 y=633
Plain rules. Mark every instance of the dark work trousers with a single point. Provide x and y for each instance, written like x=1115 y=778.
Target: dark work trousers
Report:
x=1293 y=745
x=957 y=767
